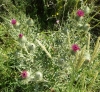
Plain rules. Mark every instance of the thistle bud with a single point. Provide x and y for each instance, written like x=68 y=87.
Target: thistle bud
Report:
x=31 y=46
x=61 y=61
x=38 y=76
x=17 y=26
x=30 y=22
x=22 y=39
x=15 y=23
x=86 y=27
x=80 y=15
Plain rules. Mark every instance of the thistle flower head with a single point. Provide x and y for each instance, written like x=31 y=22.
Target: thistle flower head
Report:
x=80 y=13
x=13 y=21
x=22 y=39
x=75 y=47
x=20 y=35
x=25 y=74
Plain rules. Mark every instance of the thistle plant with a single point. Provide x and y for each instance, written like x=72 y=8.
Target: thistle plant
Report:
x=57 y=61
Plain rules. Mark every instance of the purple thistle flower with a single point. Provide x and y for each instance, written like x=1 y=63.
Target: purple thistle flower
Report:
x=20 y=35
x=13 y=21
x=24 y=74
x=75 y=47
x=80 y=13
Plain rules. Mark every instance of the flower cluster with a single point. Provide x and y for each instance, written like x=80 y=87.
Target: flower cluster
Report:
x=28 y=47
x=30 y=54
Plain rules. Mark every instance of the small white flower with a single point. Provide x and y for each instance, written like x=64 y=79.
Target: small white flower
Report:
x=57 y=21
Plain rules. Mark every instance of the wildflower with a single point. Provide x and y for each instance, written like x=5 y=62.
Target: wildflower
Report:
x=80 y=13
x=38 y=76
x=57 y=21
x=13 y=21
x=20 y=35
x=75 y=47
x=15 y=24
x=25 y=74
x=22 y=38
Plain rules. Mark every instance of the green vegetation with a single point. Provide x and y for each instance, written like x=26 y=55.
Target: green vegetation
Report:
x=49 y=46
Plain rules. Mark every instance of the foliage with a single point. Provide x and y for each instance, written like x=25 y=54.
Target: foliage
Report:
x=46 y=11
x=52 y=61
